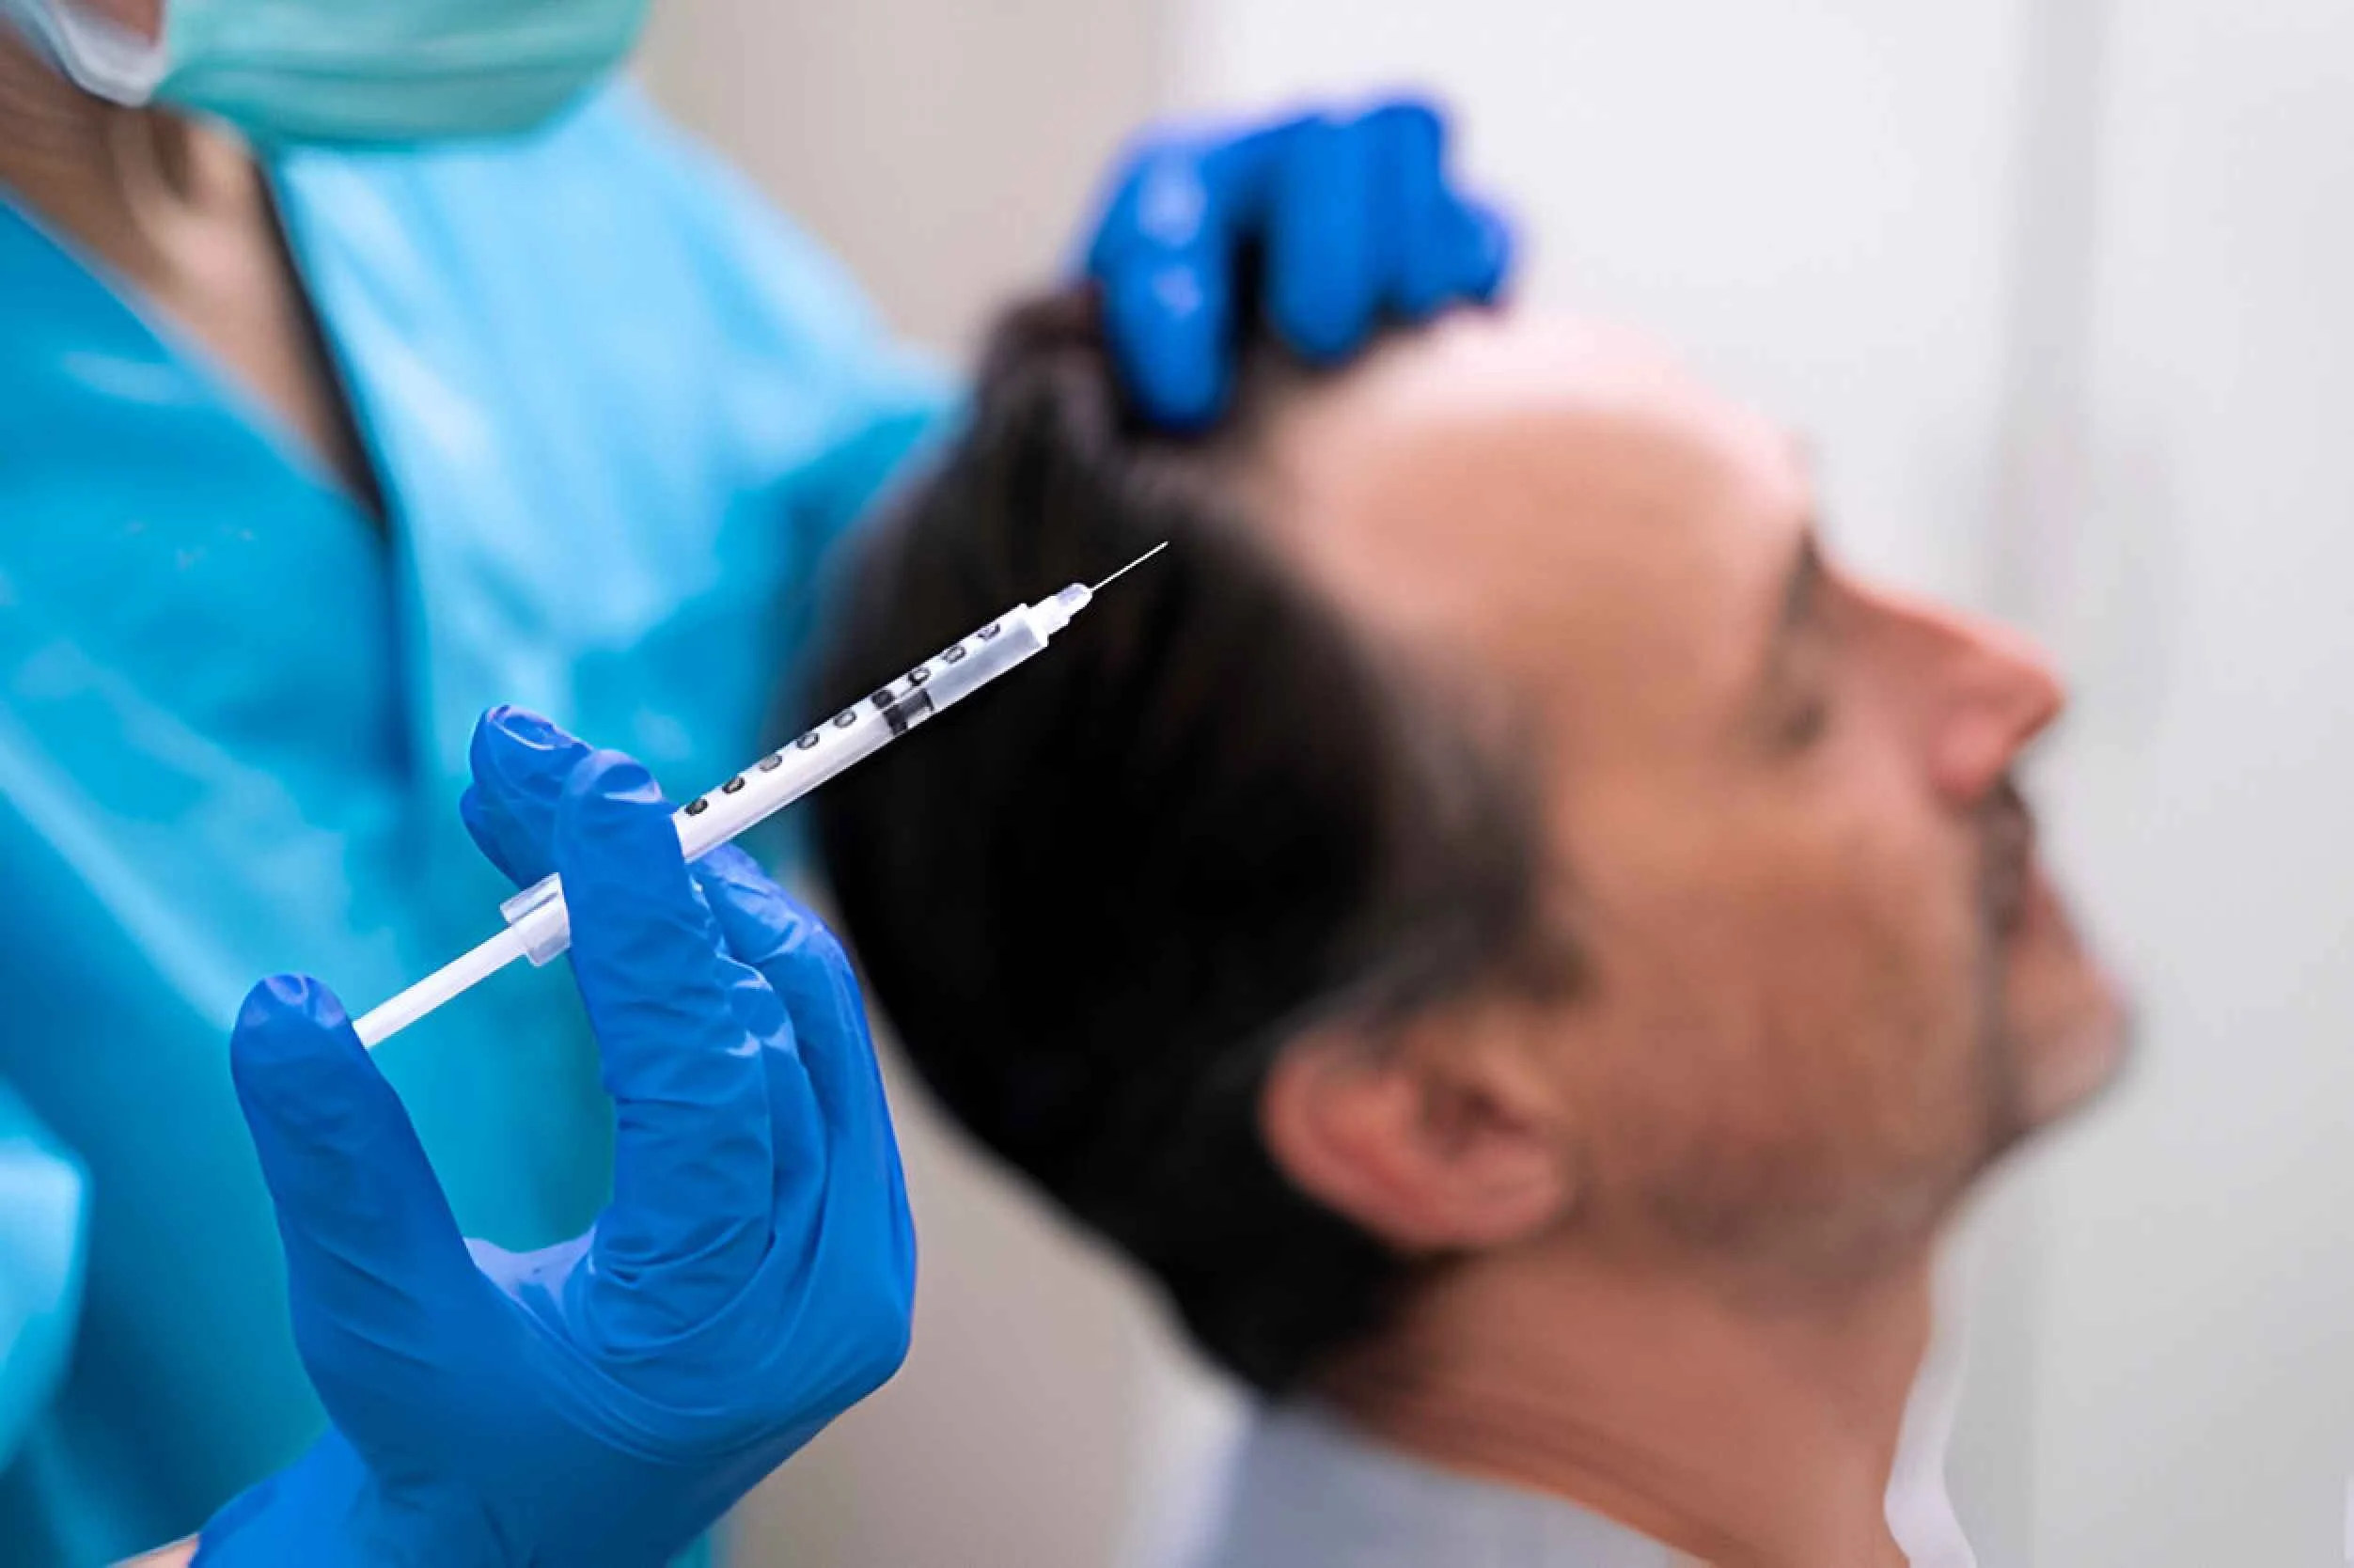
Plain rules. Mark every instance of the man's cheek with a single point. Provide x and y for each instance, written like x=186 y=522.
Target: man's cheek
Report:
x=1873 y=1010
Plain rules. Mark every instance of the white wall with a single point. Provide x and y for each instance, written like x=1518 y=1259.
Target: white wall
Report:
x=1808 y=196
x=943 y=148
x=2195 y=1397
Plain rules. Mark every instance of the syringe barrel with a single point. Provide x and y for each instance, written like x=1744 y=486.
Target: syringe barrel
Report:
x=820 y=753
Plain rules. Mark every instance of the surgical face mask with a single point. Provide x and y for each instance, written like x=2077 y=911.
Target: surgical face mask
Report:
x=346 y=70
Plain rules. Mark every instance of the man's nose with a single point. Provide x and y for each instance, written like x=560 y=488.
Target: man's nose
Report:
x=1987 y=689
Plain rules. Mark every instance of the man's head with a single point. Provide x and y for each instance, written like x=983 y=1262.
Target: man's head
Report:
x=1495 y=827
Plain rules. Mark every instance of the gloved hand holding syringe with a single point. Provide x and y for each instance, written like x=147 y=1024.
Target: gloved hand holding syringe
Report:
x=539 y=927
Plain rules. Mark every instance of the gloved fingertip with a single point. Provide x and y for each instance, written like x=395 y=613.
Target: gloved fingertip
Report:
x=733 y=861
x=506 y=725
x=518 y=747
x=1168 y=324
x=611 y=782
x=1411 y=115
x=756 y=917
x=1184 y=401
x=286 y=1006
x=1488 y=253
x=611 y=808
x=291 y=1033
x=730 y=868
x=1320 y=334
x=1328 y=254
x=525 y=727
x=520 y=761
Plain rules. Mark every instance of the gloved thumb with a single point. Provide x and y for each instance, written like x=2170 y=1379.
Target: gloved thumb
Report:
x=375 y=1265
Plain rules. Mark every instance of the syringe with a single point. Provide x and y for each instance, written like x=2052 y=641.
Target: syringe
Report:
x=539 y=928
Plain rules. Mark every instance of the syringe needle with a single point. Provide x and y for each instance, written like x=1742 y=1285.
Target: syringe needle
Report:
x=539 y=924
x=1130 y=566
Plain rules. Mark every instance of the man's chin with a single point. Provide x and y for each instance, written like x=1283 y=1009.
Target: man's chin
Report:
x=2067 y=1074
x=2066 y=1023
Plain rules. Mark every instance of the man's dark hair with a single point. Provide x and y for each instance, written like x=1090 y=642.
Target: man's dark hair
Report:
x=1098 y=897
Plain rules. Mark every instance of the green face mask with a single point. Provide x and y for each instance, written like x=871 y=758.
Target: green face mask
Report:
x=370 y=72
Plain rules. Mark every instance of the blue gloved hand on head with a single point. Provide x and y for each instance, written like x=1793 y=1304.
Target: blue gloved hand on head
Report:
x=1352 y=219
x=602 y=1402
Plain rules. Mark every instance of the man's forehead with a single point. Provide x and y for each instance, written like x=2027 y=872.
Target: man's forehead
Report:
x=1501 y=470
x=1496 y=361
x=1483 y=380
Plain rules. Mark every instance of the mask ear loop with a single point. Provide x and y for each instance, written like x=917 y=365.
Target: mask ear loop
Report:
x=100 y=55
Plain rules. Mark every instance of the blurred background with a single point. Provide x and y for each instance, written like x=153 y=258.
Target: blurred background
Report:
x=2059 y=291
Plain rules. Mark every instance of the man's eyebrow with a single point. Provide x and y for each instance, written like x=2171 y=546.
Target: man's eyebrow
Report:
x=1799 y=588
x=1801 y=583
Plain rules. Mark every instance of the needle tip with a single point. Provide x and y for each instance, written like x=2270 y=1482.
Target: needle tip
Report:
x=1130 y=566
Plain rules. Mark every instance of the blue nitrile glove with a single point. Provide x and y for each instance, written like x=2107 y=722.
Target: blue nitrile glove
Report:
x=1352 y=218
x=603 y=1402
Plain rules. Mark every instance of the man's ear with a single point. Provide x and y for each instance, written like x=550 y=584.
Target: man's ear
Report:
x=1431 y=1139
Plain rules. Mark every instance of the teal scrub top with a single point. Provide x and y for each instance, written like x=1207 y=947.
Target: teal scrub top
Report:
x=616 y=410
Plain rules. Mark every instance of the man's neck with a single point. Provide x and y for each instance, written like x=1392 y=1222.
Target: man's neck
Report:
x=1741 y=1434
